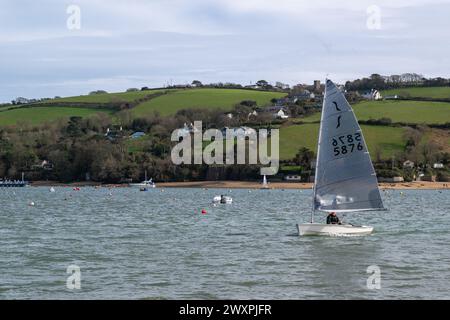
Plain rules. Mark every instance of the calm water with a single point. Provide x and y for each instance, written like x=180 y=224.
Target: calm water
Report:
x=157 y=245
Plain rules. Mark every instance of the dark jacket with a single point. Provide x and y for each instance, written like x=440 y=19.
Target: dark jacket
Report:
x=332 y=219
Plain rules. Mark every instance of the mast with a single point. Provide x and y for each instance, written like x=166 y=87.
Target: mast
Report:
x=318 y=151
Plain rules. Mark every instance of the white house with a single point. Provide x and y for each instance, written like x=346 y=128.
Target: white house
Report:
x=185 y=131
x=281 y=85
x=254 y=113
x=372 y=95
x=292 y=177
x=243 y=131
x=408 y=164
x=280 y=114
x=438 y=166
x=305 y=95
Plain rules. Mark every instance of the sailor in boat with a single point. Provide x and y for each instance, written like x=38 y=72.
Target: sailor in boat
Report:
x=332 y=218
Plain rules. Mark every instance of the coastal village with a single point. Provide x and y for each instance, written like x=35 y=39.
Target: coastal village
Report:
x=134 y=144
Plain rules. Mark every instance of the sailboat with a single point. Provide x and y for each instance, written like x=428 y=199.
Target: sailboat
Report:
x=144 y=184
x=265 y=185
x=345 y=179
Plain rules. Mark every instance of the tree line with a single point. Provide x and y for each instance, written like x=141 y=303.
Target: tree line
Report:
x=378 y=82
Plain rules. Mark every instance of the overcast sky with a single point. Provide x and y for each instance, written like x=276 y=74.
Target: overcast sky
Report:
x=123 y=43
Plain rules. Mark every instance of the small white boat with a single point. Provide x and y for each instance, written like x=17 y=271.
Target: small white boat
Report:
x=223 y=199
x=319 y=229
x=345 y=179
x=144 y=184
x=265 y=185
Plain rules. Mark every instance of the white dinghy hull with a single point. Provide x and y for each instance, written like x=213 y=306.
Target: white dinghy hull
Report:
x=320 y=229
x=224 y=200
x=142 y=185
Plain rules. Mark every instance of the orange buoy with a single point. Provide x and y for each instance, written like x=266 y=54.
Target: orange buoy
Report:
x=203 y=211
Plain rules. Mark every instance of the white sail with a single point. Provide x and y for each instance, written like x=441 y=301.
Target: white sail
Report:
x=345 y=179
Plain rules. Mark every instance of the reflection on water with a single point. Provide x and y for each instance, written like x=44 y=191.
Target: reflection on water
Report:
x=152 y=245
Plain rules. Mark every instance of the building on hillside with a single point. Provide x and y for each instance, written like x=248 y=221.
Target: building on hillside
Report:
x=438 y=166
x=317 y=87
x=393 y=97
x=430 y=178
x=391 y=179
x=282 y=86
x=113 y=134
x=45 y=165
x=137 y=135
x=277 y=112
x=254 y=113
x=293 y=177
x=186 y=130
x=408 y=164
x=372 y=95
x=281 y=114
x=341 y=87
x=318 y=98
x=282 y=101
x=303 y=96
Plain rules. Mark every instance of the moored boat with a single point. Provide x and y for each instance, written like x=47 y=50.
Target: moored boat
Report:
x=144 y=184
x=223 y=199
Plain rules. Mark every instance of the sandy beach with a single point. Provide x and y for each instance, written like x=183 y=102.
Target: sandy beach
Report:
x=247 y=185
x=294 y=185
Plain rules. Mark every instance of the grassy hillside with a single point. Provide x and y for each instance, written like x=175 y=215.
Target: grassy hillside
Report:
x=202 y=98
x=108 y=97
x=400 y=111
x=39 y=115
x=166 y=104
x=387 y=139
x=429 y=92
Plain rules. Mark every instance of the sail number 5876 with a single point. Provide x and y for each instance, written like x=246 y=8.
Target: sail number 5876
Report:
x=347 y=144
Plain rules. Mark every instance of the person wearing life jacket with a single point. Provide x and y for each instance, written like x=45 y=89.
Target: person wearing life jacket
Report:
x=332 y=218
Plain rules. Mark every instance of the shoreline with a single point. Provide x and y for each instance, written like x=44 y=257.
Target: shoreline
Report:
x=416 y=185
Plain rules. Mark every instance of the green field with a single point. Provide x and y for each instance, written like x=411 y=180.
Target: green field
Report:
x=107 y=97
x=203 y=98
x=428 y=92
x=39 y=115
x=165 y=105
x=399 y=111
x=386 y=139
